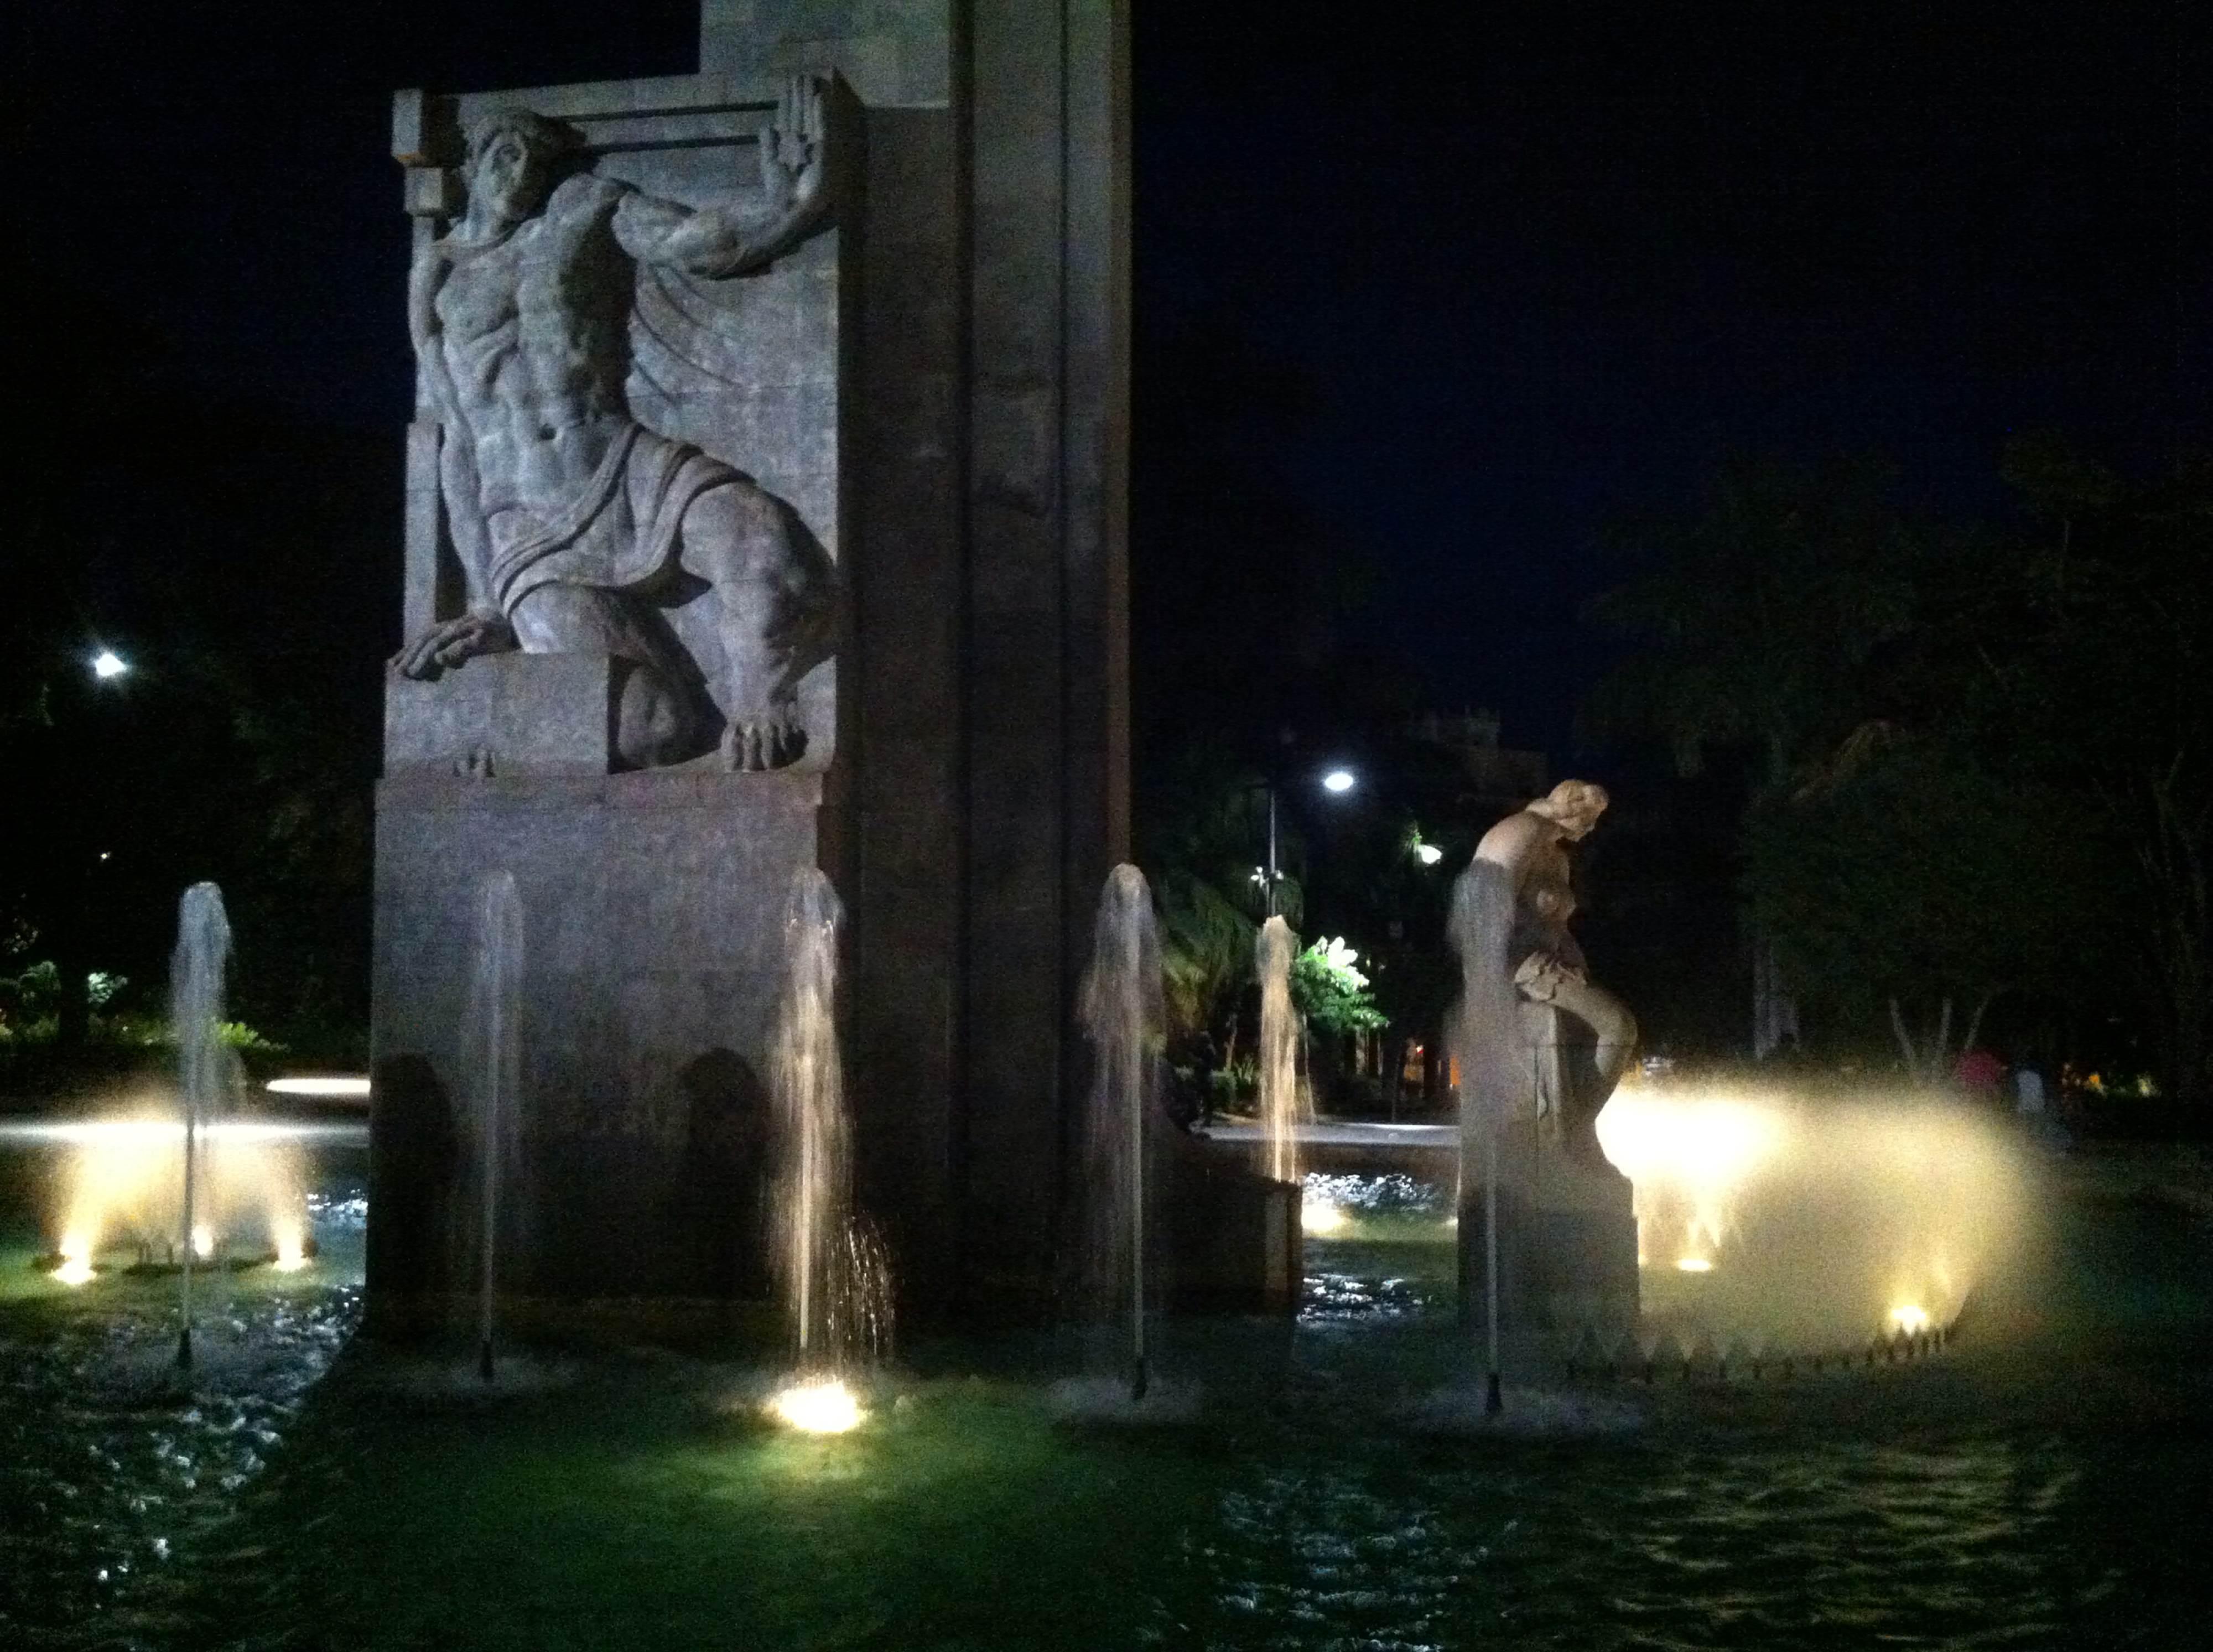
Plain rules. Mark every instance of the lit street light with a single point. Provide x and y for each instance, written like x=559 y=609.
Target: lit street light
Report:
x=107 y=664
x=1428 y=854
x=1340 y=781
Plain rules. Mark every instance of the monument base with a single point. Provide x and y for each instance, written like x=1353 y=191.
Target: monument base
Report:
x=653 y=915
x=1567 y=1255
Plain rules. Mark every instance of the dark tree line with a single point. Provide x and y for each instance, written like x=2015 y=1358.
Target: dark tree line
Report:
x=1981 y=774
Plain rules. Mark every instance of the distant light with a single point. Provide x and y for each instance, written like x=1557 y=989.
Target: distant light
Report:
x=1338 y=780
x=203 y=1243
x=1428 y=854
x=1696 y=1264
x=1321 y=1217
x=1911 y=1319
x=103 y=854
x=336 y=1086
x=825 y=1405
x=108 y=663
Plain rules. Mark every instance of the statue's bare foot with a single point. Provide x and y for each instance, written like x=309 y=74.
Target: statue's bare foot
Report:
x=771 y=743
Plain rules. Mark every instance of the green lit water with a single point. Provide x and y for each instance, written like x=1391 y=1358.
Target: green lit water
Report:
x=2044 y=1485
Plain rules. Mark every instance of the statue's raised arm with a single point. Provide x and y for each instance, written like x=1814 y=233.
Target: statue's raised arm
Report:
x=794 y=174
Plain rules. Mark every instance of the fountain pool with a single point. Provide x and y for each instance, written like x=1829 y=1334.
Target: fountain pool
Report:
x=2040 y=1484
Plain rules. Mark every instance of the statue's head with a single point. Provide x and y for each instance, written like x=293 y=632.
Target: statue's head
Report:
x=1573 y=805
x=514 y=159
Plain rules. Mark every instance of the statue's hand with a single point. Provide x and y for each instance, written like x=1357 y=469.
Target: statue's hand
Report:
x=450 y=642
x=792 y=149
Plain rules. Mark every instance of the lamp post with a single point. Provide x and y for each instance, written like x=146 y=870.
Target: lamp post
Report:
x=1337 y=782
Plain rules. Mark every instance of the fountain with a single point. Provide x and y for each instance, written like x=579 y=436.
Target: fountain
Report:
x=203 y=1063
x=492 y=1039
x=1123 y=1016
x=1285 y=1102
x=832 y=1270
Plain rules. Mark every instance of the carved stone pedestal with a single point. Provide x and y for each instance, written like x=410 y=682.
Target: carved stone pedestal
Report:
x=1567 y=1228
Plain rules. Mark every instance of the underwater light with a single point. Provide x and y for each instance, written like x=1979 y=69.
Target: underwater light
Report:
x=291 y=1250
x=1321 y=1216
x=203 y=1242
x=1910 y=1319
x=1696 y=1264
x=76 y=1261
x=824 y=1406
x=332 y=1086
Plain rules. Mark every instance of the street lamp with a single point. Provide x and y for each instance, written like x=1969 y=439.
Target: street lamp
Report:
x=1337 y=782
x=107 y=665
x=1428 y=854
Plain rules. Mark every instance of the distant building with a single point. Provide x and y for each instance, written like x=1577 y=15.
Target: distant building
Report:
x=1489 y=781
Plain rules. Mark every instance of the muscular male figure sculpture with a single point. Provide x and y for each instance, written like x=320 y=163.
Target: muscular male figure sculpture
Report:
x=572 y=520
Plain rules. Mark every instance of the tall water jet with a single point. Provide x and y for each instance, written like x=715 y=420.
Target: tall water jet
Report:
x=1122 y=1013
x=492 y=1041
x=814 y=1174
x=196 y=978
x=1284 y=1103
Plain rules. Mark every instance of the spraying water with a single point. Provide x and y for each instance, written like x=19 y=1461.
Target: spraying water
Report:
x=814 y=1177
x=196 y=975
x=1122 y=1013
x=1284 y=1104
x=492 y=1039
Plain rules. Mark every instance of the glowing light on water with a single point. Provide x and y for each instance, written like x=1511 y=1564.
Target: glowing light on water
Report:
x=291 y=1250
x=76 y=1260
x=1322 y=1218
x=120 y=1182
x=330 y=1086
x=1805 y=1218
x=824 y=1406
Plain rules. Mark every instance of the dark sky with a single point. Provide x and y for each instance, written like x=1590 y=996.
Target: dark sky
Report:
x=1540 y=267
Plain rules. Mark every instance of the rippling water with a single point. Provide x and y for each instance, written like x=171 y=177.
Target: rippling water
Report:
x=2044 y=1486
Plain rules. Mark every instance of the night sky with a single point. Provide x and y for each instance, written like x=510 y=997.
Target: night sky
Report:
x=1537 y=268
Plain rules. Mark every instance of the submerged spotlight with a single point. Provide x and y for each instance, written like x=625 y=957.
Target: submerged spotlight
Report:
x=823 y=1406
x=1321 y=1217
x=76 y=1261
x=1696 y=1264
x=1910 y=1319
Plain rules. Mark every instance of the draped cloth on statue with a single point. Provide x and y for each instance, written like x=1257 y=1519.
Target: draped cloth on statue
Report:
x=619 y=532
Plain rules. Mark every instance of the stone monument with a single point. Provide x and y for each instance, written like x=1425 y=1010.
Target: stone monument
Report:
x=765 y=511
x=1540 y=1048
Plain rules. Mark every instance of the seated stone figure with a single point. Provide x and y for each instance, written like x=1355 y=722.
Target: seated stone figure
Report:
x=575 y=524
x=1517 y=955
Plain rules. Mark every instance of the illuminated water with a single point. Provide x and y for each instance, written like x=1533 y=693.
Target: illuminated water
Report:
x=492 y=1039
x=2043 y=1484
x=1123 y=1018
x=1284 y=1103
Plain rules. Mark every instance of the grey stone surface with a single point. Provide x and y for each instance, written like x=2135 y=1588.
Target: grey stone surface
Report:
x=943 y=404
x=652 y=916
x=606 y=316
x=507 y=714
